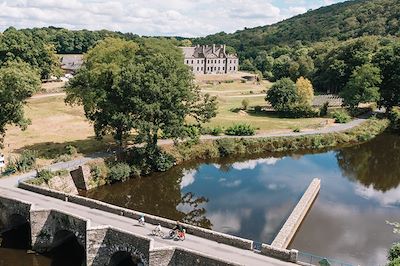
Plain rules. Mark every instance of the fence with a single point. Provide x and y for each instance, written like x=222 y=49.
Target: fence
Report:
x=310 y=259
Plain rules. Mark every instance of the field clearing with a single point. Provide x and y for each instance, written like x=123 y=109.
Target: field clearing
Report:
x=54 y=125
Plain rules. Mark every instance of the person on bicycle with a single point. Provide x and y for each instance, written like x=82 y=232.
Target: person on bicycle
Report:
x=141 y=219
x=179 y=230
x=158 y=228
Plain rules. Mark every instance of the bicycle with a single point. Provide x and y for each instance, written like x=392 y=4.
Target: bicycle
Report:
x=141 y=221
x=157 y=232
x=177 y=235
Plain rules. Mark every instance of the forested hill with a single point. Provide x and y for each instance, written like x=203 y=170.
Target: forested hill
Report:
x=341 y=21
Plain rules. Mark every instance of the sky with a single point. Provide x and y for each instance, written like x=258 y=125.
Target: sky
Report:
x=187 y=18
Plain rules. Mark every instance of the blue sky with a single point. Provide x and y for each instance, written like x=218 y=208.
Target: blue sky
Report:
x=153 y=17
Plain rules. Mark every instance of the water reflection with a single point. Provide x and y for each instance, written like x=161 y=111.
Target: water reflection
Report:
x=253 y=197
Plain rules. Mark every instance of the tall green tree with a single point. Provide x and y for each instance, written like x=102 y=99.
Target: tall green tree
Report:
x=33 y=49
x=143 y=86
x=18 y=81
x=363 y=86
x=283 y=94
x=388 y=60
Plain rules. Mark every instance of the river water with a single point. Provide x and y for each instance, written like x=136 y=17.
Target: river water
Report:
x=252 y=197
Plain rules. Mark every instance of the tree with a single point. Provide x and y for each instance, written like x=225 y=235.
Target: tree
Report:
x=18 y=81
x=305 y=91
x=388 y=60
x=245 y=104
x=282 y=95
x=143 y=86
x=247 y=65
x=33 y=49
x=363 y=86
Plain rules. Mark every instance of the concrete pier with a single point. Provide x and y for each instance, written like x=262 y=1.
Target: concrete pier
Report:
x=289 y=229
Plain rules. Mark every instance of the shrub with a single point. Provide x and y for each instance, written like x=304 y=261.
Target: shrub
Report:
x=228 y=147
x=394 y=252
x=394 y=117
x=323 y=111
x=341 y=117
x=245 y=104
x=70 y=150
x=25 y=162
x=216 y=131
x=62 y=158
x=119 y=173
x=395 y=262
x=163 y=161
x=240 y=130
x=98 y=171
x=45 y=175
x=299 y=111
x=257 y=109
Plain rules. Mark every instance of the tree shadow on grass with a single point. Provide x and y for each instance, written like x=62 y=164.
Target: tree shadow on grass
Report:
x=52 y=150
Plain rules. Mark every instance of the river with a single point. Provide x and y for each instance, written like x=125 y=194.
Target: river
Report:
x=252 y=197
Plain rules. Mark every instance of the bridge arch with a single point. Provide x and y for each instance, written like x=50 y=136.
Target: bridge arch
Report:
x=66 y=249
x=125 y=258
x=15 y=231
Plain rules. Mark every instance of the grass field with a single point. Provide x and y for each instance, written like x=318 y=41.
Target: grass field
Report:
x=55 y=125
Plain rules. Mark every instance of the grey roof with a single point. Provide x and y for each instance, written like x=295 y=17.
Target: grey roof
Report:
x=206 y=51
x=71 y=61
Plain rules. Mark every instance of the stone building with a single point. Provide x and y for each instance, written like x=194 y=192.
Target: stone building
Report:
x=205 y=59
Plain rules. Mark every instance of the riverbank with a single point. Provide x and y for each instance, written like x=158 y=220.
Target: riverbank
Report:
x=98 y=171
x=223 y=147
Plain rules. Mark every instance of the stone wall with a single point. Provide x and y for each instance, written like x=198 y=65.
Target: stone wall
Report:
x=183 y=257
x=62 y=183
x=81 y=177
x=161 y=256
x=95 y=204
x=46 y=223
x=104 y=242
x=9 y=208
x=279 y=253
x=289 y=229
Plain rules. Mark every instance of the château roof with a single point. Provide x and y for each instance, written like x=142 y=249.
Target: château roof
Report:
x=206 y=51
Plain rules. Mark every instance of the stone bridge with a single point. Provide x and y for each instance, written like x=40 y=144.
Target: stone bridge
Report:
x=107 y=234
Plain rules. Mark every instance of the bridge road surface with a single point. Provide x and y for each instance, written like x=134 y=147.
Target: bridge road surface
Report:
x=100 y=218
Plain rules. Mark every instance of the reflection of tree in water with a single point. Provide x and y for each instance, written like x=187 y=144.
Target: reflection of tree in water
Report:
x=197 y=214
x=374 y=163
x=159 y=195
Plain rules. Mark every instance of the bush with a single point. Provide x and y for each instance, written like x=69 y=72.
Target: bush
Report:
x=119 y=173
x=98 y=171
x=323 y=111
x=395 y=262
x=240 y=130
x=25 y=162
x=70 y=150
x=257 y=109
x=163 y=161
x=341 y=117
x=228 y=147
x=63 y=158
x=299 y=111
x=394 y=252
x=394 y=117
x=216 y=131
x=245 y=104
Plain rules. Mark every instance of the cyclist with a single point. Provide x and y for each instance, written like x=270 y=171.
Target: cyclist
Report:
x=158 y=230
x=141 y=220
x=178 y=230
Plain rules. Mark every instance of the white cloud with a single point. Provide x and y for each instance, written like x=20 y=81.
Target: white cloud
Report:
x=151 y=17
x=388 y=198
x=251 y=164
x=188 y=178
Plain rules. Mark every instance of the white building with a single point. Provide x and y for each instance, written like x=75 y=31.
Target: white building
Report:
x=212 y=59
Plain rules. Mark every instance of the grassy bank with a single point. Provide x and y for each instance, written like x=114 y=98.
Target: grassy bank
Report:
x=243 y=146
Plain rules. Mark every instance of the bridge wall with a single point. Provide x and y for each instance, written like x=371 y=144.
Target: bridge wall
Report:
x=46 y=223
x=10 y=207
x=103 y=242
x=95 y=204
